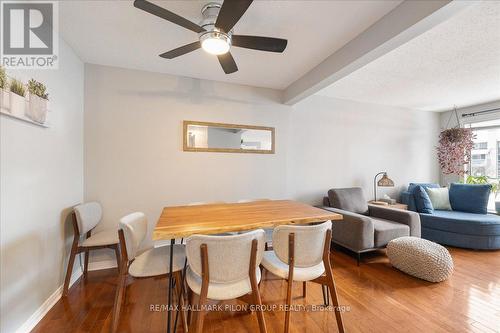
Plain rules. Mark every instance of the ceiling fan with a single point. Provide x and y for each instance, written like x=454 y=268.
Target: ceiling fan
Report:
x=215 y=31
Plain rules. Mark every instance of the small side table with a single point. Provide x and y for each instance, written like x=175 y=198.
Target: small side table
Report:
x=394 y=206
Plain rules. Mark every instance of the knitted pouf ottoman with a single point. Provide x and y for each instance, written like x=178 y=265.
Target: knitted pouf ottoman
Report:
x=420 y=258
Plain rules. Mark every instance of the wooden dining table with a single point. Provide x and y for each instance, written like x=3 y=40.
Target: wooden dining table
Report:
x=178 y=222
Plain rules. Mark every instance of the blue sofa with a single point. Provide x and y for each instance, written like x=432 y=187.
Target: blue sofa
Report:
x=456 y=228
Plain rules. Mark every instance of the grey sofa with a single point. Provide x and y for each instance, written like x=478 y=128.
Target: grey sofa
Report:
x=367 y=227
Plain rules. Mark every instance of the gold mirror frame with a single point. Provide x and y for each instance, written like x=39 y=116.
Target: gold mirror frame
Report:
x=186 y=123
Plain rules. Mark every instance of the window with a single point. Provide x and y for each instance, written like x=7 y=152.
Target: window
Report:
x=480 y=145
x=485 y=154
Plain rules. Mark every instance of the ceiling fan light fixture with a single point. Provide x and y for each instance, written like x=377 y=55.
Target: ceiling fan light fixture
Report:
x=215 y=42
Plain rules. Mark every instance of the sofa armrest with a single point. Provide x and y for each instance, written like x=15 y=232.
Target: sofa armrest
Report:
x=354 y=231
x=409 y=218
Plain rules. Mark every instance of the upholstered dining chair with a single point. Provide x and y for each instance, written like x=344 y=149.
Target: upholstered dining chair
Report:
x=145 y=263
x=85 y=218
x=223 y=268
x=302 y=253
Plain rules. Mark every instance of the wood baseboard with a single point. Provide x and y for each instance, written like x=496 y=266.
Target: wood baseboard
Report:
x=47 y=305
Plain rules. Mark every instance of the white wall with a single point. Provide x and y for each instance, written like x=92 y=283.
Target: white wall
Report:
x=133 y=142
x=41 y=177
x=134 y=158
x=340 y=143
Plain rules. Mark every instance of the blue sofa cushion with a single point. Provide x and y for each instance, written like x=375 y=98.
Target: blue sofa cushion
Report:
x=470 y=198
x=408 y=197
x=462 y=222
x=422 y=200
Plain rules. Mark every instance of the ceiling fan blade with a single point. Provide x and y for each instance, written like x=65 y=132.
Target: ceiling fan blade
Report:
x=230 y=13
x=181 y=50
x=167 y=15
x=260 y=43
x=227 y=62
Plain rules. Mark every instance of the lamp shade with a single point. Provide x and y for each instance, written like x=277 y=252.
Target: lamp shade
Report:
x=385 y=181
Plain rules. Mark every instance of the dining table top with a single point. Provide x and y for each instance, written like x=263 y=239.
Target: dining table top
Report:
x=183 y=221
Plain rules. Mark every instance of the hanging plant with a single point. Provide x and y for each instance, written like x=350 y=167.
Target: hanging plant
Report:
x=454 y=150
x=455 y=146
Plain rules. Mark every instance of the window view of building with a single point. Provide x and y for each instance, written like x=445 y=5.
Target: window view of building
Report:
x=485 y=155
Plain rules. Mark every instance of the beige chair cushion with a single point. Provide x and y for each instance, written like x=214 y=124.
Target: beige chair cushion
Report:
x=221 y=291
x=88 y=215
x=228 y=256
x=156 y=261
x=274 y=265
x=102 y=238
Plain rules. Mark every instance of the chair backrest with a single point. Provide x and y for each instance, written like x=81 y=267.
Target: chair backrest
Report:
x=88 y=215
x=309 y=241
x=199 y=203
x=251 y=200
x=135 y=228
x=228 y=256
x=350 y=199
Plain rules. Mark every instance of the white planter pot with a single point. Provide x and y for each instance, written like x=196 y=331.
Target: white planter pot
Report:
x=5 y=99
x=17 y=105
x=37 y=110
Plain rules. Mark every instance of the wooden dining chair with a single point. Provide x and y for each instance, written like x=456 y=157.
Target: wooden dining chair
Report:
x=223 y=268
x=85 y=218
x=302 y=253
x=140 y=263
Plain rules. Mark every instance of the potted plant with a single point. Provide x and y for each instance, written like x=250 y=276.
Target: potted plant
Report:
x=17 y=100
x=4 y=93
x=38 y=97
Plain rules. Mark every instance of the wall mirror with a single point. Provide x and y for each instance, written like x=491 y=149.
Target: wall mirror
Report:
x=227 y=138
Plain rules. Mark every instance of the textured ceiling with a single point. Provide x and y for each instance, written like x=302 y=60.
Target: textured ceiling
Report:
x=457 y=62
x=115 y=33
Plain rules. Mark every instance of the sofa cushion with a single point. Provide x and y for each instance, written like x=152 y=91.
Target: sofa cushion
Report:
x=350 y=199
x=470 y=198
x=422 y=200
x=440 y=198
x=462 y=222
x=386 y=230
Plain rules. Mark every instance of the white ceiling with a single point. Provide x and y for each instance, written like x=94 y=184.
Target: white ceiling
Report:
x=457 y=62
x=115 y=33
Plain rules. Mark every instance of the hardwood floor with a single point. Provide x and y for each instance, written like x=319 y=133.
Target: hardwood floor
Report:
x=380 y=299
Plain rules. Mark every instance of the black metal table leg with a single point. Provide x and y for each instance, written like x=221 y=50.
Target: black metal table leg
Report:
x=181 y=293
x=170 y=284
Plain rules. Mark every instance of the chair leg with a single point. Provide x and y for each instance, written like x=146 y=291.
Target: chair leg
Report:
x=288 y=305
x=197 y=325
x=86 y=263
x=71 y=262
x=191 y=303
x=120 y=291
x=256 y=300
x=304 y=289
x=333 y=293
x=326 y=295
x=117 y=255
x=178 y=287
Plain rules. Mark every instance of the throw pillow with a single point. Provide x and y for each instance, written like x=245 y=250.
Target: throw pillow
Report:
x=470 y=198
x=422 y=201
x=440 y=198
